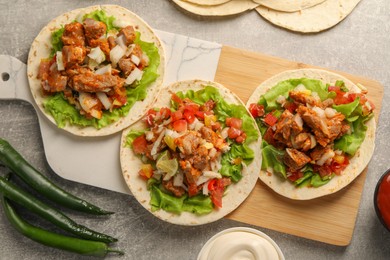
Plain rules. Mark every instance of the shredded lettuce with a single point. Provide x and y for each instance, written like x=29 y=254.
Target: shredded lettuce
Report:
x=64 y=112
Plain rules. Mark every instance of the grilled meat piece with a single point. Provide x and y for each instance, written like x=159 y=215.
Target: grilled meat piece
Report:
x=286 y=126
x=295 y=159
x=191 y=174
x=103 y=45
x=177 y=191
x=320 y=155
x=94 y=29
x=126 y=65
x=325 y=130
x=73 y=55
x=128 y=33
x=91 y=82
x=303 y=141
x=55 y=82
x=73 y=34
x=304 y=98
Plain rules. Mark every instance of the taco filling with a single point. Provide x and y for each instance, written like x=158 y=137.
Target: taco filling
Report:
x=98 y=68
x=193 y=151
x=310 y=130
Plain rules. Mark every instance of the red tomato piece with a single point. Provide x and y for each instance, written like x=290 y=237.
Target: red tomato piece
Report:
x=192 y=189
x=234 y=122
x=337 y=168
x=140 y=145
x=290 y=106
x=176 y=98
x=256 y=110
x=295 y=176
x=180 y=125
x=233 y=133
x=165 y=113
x=200 y=114
x=189 y=116
x=270 y=119
x=176 y=115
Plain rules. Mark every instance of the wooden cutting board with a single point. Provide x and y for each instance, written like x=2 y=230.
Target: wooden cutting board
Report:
x=330 y=219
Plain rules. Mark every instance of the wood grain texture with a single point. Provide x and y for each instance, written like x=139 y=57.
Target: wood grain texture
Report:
x=330 y=219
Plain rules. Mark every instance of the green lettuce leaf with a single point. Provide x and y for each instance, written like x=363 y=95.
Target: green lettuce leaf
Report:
x=350 y=143
x=56 y=41
x=347 y=109
x=272 y=158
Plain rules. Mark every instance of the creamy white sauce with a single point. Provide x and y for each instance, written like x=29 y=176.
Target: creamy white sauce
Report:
x=239 y=245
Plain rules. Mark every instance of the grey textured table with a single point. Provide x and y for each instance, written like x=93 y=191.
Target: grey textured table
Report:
x=359 y=45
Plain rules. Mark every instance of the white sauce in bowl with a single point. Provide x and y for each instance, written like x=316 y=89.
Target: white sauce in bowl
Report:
x=240 y=244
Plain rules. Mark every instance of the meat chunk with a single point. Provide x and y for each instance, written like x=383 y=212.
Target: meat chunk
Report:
x=303 y=141
x=188 y=143
x=128 y=33
x=111 y=42
x=303 y=98
x=320 y=155
x=44 y=69
x=200 y=158
x=190 y=172
x=73 y=55
x=91 y=82
x=103 y=45
x=177 y=191
x=94 y=29
x=325 y=130
x=73 y=34
x=295 y=159
x=126 y=66
x=286 y=126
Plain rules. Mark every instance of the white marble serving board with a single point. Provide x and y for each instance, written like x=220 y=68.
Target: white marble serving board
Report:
x=95 y=160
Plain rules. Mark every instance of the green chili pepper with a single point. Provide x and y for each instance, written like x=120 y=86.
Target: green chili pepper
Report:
x=72 y=244
x=17 y=164
x=16 y=194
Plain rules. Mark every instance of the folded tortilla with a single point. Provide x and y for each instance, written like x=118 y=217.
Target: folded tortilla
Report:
x=288 y=5
x=237 y=193
x=310 y=20
x=357 y=163
x=231 y=7
x=41 y=47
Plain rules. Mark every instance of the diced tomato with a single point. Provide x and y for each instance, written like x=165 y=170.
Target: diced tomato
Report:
x=340 y=98
x=140 y=145
x=240 y=139
x=293 y=176
x=216 y=188
x=200 y=114
x=233 y=133
x=180 y=125
x=234 y=122
x=216 y=126
x=269 y=136
x=270 y=119
x=338 y=165
x=256 y=110
x=146 y=171
x=176 y=115
x=165 y=113
x=189 y=116
x=192 y=107
x=290 y=106
x=176 y=98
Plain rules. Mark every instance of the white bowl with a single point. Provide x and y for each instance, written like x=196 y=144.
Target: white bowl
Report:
x=240 y=243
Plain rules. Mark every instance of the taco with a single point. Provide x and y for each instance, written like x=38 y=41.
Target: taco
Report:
x=95 y=70
x=318 y=132
x=231 y=7
x=195 y=156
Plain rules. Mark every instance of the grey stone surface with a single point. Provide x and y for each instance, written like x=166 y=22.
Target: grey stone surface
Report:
x=358 y=45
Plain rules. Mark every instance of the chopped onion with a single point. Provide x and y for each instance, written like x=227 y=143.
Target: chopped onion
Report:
x=116 y=54
x=149 y=135
x=87 y=101
x=178 y=179
x=135 y=59
x=59 y=60
x=319 y=111
x=104 y=69
x=300 y=88
x=298 y=119
x=202 y=179
x=120 y=23
x=120 y=40
x=313 y=141
x=224 y=132
x=104 y=99
x=281 y=99
x=97 y=55
x=129 y=49
x=145 y=58
x=205 y=189
x=157 y=143
x=330 y=112
x=212 y=175
x=136 y=74
x=172 y=133
x=326 y=156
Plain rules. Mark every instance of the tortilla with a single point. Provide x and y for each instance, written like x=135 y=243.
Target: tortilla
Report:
x=288 y=5
x=229 y=8
x=41 y=48
x=207 y=2
x=236 y=194
x=357 y=163
x=314 y=19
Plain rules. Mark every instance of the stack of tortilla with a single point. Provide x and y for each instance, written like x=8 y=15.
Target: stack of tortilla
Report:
x=305 y=16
